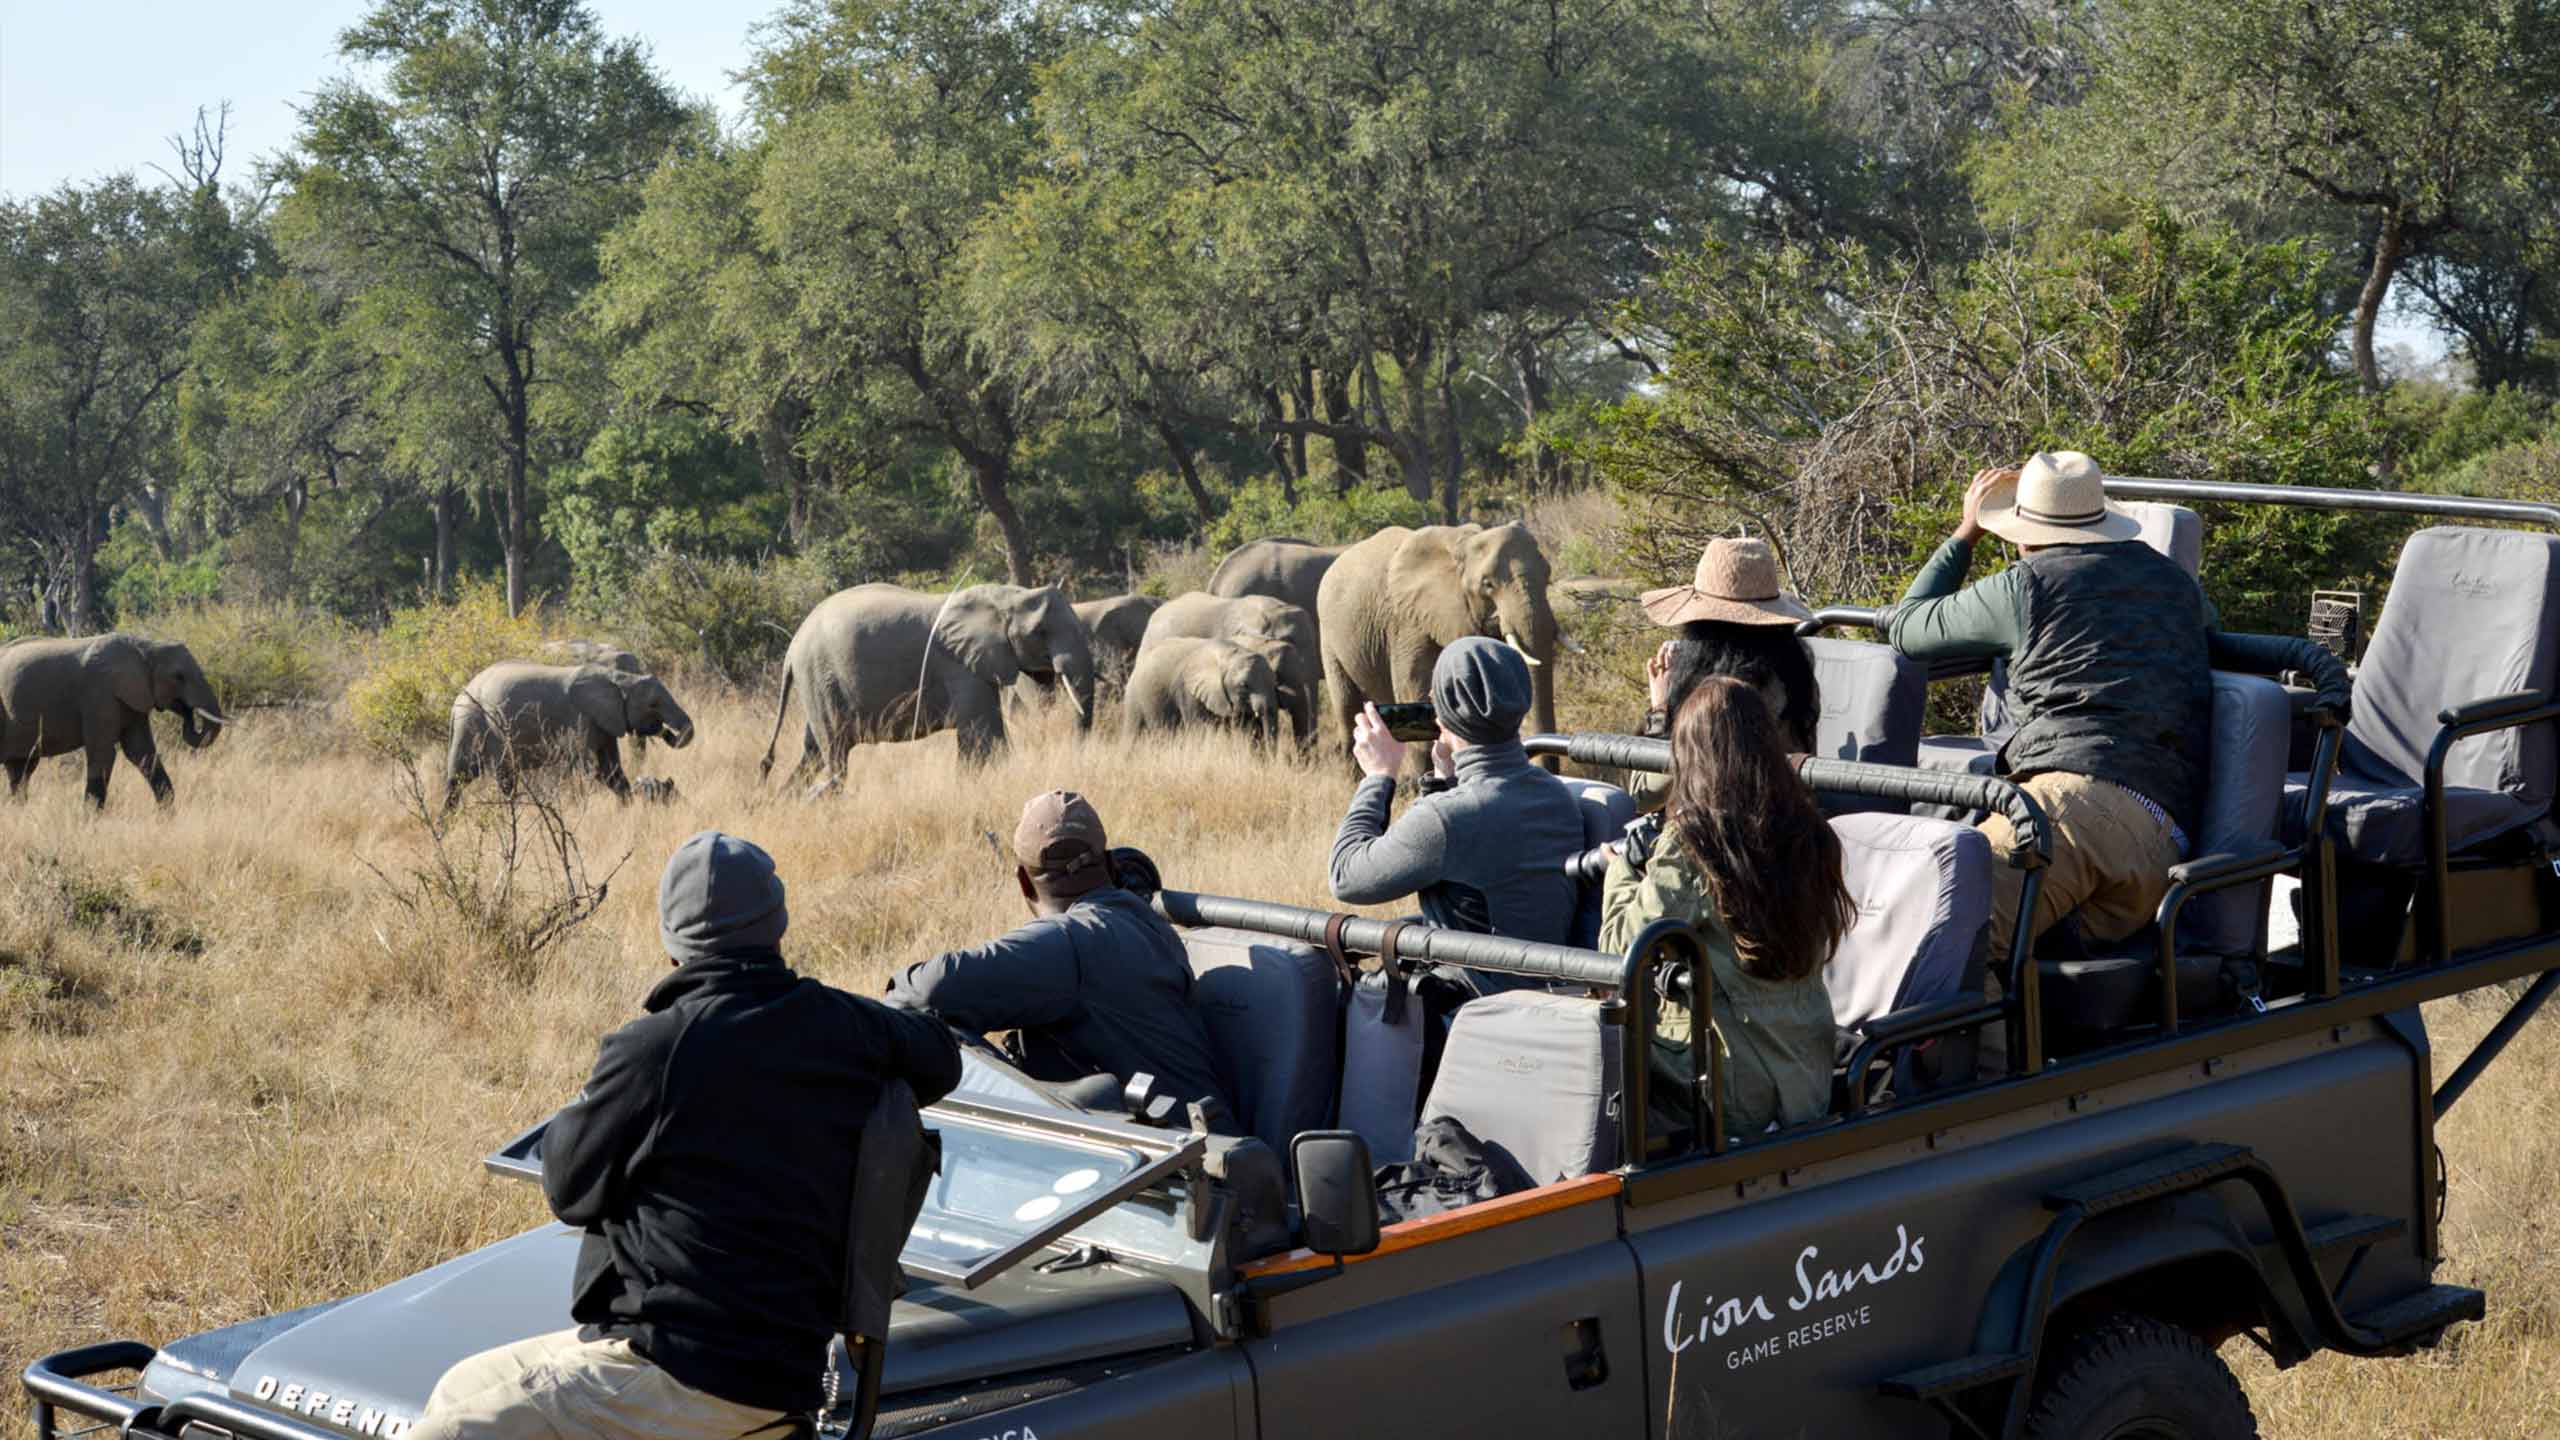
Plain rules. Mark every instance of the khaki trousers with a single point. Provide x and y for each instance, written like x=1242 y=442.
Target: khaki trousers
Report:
x=559 y=1387
x=2111 y=862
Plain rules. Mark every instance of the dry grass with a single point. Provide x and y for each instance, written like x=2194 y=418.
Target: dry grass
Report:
x=238 y=1077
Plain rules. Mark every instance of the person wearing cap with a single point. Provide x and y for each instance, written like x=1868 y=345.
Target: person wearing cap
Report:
x=710 y=1161
x=1097 y=983
x=1485 y=846
x=1734 y=619
x=2110 y=647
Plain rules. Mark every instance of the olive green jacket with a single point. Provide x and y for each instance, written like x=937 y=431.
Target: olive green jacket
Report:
x=1777 y=1036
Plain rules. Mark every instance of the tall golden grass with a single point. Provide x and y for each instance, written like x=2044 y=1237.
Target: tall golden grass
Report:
x=240 y=1077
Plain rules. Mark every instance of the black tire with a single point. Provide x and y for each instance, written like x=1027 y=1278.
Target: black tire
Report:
x=2130 y=1377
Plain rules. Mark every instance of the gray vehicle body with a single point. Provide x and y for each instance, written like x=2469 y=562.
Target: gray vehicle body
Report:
x=1893 y=1271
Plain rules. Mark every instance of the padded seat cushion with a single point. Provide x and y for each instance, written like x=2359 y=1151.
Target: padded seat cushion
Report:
x=1965 y=754
x=1872 y=701
x=1922 y=888
x=2243 y=800
x=1536 y=1076
x=1273 y=1011
x=2386 y=824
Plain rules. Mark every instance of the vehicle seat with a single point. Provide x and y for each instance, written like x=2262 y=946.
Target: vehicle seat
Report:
x=2092 y=996
x=1872 y=701
x=2471 y=614
x=2174 y=531
x=1606 y=811
x=1536 y=1076
x=1273 y=1011
x=1922 y=888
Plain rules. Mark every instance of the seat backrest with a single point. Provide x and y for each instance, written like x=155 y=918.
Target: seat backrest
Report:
x=1537 y=1075
x=1873 y=699
x=2173 y=530
x=1606 y=811
x=2471 y=614
x=1273 y=1009
x=1922 y=888
x=2243 y=806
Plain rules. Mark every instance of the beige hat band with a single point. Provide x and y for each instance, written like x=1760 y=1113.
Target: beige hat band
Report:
x=2048 y=517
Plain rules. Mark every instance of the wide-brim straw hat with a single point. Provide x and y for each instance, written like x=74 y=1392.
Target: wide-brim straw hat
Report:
x=2060 y=499
x=1737 y=581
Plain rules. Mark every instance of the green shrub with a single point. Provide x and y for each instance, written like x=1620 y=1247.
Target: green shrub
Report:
x=1258 y=508
x=733 y=617
x=426 y=655
x=257 y=655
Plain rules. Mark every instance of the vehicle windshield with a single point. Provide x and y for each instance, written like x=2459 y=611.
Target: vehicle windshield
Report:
x=1006 y=1175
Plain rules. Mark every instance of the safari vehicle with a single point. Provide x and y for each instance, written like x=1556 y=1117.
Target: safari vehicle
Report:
x=2217 y=1133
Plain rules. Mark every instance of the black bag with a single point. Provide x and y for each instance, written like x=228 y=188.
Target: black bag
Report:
x=1450 y=1170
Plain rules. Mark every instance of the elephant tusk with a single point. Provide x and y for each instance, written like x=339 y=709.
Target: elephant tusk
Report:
x=209 y=718
x=1514 y=642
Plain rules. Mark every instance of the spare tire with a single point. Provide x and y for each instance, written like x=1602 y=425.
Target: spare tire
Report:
x=2131 y=1377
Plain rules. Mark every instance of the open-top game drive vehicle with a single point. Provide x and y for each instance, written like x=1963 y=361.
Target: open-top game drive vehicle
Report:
x=2200 y=1136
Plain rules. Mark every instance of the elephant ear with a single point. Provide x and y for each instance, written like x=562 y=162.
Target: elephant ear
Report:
x=1204 y=679
x=1426 y=579
x=133 y=675
x=604 y=699
x=976 y=626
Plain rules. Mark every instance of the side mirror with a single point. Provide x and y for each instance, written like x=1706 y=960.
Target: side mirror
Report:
x=1337 y=1192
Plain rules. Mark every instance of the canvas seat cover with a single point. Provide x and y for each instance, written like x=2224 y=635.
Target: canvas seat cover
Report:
x=1873 y=699
x=1606 y=810
x=2243 y=808
x=1922 y=888
x=1536 y=1076
x=1272 y=1007
x=2472 y=614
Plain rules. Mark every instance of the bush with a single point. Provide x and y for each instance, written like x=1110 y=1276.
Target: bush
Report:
x=260 y=655
x=1258 y=508
x=426 y=655
x=734 y=617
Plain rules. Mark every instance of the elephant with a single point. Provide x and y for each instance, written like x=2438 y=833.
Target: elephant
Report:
x=882 y=662
x=1393 y=601
x=96 y=695
x=517 y=713
x=1280 y=567
x=606 y=654
x=1183 y=680
x=1116 y=625
x=1282 y=633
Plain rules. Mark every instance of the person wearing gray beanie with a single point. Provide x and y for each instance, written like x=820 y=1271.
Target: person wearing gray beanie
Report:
x=710 y=1162
x=1485 y=846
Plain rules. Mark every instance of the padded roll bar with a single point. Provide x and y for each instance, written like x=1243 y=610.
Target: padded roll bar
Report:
x=1415 y=944
x=2317 y=497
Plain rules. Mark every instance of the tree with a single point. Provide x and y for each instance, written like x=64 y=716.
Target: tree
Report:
x=461 y=202
x=98 y=286
x=2406 y=117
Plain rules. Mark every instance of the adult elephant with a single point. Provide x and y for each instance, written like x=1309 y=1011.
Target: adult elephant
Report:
x=1280 y=567
x=1117 y=626
x=882 y=662
x=1182 y=680
x=1393 y=601
x=1282 y=633
x=517 y=714
x=96 y=696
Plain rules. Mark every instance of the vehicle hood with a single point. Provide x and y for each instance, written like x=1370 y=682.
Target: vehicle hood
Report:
x=366 y=1366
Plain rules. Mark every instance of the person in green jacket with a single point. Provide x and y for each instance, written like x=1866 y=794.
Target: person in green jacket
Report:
x=1746 y=856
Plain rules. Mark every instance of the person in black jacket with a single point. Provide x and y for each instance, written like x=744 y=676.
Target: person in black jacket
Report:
x=710 y=1161
x=1096 y=984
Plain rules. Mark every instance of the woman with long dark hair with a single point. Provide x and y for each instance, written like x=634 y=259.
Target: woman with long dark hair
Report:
x=1746 y=856
x=1733 y=618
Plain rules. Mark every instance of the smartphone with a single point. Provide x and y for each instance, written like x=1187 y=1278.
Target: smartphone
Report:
x=1411 y=720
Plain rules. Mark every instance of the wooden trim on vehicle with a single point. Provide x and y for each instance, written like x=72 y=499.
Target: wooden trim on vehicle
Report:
x=1407 y=1234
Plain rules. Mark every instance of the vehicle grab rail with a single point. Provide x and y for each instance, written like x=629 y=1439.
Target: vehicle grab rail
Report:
x=2320 y=497
x=1415 y=945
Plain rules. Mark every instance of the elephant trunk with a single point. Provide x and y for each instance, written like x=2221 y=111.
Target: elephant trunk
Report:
x=1265 y=713
x=1530 y=627
x=1076 y=671
x=199 y=725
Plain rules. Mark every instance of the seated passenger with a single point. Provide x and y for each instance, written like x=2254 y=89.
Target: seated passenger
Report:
x=1733 y=620
x=1745 y=855
x=1097 y=983
x=1485 y=846
x=2109 y=646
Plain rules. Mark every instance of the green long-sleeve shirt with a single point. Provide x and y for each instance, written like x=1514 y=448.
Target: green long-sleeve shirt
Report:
x=1941 y=618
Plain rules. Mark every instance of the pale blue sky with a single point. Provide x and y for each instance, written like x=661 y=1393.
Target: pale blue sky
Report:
x=89 y=87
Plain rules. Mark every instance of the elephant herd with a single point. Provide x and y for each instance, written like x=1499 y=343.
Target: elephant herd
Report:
x=1281 y=623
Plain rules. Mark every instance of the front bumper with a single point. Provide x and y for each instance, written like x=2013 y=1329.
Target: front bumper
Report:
x=59 y=1384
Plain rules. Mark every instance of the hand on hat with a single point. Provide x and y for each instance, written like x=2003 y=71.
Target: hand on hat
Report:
x=1657 y=676
x=1984 y=482
x=1375 y=750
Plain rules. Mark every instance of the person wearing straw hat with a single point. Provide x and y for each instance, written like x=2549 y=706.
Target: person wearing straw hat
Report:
x=2109 y=645
x=1735 y=619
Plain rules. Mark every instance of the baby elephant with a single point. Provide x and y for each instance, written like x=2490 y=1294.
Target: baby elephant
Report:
x=516 y=713
x=1183 y=680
